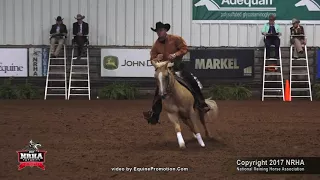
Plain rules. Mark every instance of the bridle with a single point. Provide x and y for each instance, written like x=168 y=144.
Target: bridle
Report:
x=170 y=81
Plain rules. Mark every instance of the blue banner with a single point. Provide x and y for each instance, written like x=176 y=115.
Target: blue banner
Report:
x=318 y=64
x=45 y=58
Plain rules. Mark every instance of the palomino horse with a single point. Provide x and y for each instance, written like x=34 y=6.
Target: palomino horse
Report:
x=178 y=102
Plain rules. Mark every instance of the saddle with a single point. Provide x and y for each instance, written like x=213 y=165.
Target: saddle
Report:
x=183 y=82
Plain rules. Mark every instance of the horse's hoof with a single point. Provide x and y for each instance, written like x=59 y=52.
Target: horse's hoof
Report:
x=182 y=146
x=203 y=145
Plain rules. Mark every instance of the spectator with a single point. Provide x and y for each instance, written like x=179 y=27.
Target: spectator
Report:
x=80 y=31
x=297 y=37
x=271 y=31
x=58 y=34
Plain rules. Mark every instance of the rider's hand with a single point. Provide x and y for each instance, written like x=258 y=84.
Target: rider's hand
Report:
x=264 y=33
x=172 y=56
x=160 y=57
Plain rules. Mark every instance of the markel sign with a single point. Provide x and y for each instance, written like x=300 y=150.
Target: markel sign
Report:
x=224 y=63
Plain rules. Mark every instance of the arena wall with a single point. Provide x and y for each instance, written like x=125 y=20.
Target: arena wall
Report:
x=146 y=84
x=127 y=23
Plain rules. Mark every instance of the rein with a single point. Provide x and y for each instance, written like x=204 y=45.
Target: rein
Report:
x=170 y=84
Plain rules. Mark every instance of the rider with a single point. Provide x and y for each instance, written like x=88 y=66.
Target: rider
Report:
x=173 y=48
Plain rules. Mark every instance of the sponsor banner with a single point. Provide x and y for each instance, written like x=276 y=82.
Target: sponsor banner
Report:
x=221 y=63
x=38 y=61
x=45 y=60
x=255 y=11
x=13 y=62
x=318 y=64
x=126 y=63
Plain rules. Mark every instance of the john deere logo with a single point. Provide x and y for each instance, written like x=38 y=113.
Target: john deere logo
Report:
x=110 y=62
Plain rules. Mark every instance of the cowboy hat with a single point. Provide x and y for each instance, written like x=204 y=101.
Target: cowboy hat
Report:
x=294 y=20
x=79 y=16
x=59 y=18
x=160 y=25
x=272 y=17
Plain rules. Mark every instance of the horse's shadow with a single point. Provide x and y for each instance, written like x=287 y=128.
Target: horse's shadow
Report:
x=191 y=145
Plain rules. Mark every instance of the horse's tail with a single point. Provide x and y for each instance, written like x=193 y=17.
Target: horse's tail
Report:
x=213 y=113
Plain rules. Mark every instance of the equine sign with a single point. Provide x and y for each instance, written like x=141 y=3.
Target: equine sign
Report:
x=255 y=11
x=126 y=63
x=221 y=63
x=31 y=156
x=13 y=62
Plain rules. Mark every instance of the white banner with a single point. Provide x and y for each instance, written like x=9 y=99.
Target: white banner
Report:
x=13 y=62
x=35 y=61
x=126 y=63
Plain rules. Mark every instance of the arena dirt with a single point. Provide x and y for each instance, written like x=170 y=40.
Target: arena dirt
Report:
x=85 y=139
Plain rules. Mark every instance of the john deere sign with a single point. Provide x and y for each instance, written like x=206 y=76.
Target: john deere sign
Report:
x=110 y=62
x=126 y=63
x=255 y=11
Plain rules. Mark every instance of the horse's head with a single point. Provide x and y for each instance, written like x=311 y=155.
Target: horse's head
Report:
x=211 y=5
x=164 y=77
x=201 y=3
x=300 y=3
x=311 y=5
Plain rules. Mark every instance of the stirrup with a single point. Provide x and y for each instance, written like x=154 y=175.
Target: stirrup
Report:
x=148 y=113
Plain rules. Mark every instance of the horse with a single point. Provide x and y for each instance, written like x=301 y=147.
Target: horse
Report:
x=210 y=4
x=178 y=102
x=311 y=5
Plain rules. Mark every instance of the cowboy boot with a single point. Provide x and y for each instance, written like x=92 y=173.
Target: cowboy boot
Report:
x=153 y=115
x=200 y=100
x=203 y=106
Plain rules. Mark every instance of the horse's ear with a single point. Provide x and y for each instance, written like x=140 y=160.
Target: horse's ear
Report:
x=155 y=65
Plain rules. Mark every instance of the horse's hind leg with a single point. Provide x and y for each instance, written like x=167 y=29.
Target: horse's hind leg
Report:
x=188 y=122
x=174 y=118
x=203 y=122
x=194 y=119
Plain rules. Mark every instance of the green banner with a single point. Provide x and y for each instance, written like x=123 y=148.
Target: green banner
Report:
x=255 y=11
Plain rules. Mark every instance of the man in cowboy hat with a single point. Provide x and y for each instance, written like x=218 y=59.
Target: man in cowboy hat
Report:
x=297 y=37
x=172 y=48
x=80 y=31
x=58 y=33
x=271 y=31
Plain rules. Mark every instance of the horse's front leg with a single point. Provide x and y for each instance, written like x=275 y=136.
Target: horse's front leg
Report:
x=174 y=118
